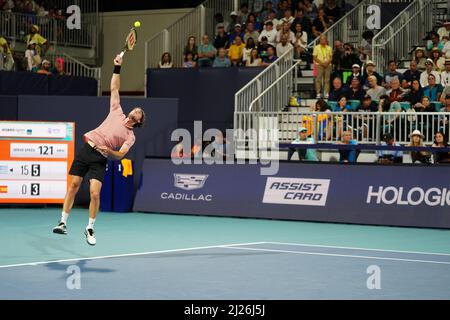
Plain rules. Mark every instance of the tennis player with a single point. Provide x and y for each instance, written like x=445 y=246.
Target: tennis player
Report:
x=116 y=132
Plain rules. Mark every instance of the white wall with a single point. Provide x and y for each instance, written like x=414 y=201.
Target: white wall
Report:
x=115 y=28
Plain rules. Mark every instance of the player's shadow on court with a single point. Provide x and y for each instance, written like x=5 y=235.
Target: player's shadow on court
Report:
x=82 y=264
x=47 y=246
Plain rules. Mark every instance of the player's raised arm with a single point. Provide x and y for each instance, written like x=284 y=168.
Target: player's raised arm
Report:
x=115 y=83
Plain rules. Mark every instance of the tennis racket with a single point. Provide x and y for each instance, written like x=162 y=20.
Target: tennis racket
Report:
x=130 y=42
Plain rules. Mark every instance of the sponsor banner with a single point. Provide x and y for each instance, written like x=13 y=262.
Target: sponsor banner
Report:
x=33 y=130
x=415 y=196
x=311 y=192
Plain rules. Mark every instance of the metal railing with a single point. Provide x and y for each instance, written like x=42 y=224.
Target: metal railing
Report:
x=269 y=128
x=407 y=30
x=277 y=95
x=197 y=22
x=173 y=39
x=212 y=7
x=350 y=27
x=74 y=67
x=18 y=25
x=245 y=96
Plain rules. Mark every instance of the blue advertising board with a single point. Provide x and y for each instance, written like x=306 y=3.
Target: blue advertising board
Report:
x=415 y=196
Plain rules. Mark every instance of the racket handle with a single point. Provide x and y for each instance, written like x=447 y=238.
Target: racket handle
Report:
x=121 y=54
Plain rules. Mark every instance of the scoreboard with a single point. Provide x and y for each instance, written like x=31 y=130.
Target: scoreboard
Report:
x=35 y=158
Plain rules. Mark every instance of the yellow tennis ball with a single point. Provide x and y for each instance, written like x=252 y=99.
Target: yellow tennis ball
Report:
x=137 y=24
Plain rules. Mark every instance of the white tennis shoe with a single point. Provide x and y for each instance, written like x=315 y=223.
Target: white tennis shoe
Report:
x=90 y=237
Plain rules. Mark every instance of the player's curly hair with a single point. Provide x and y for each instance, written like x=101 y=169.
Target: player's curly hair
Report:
x=142 y=122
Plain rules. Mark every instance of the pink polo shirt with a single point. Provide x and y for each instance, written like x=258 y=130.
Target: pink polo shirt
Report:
x=113 y=132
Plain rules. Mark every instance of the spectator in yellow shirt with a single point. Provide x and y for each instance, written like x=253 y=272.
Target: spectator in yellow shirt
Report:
x=236 y=51
x=5 y=50
x=322 y=57
x=38 y=39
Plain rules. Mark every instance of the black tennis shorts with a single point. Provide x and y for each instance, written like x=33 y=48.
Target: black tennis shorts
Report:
x=89 y=162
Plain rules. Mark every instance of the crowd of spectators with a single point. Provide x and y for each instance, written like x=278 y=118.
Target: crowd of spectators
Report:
x=32 y=60
x=258 y=34
x=38 y=8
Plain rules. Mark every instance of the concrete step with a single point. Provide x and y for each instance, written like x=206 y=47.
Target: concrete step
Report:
x=304 y=80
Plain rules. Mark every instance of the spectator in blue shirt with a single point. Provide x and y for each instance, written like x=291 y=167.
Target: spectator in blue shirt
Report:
x=434 y=90
x=342 y=105
x=222 y=60
x=389 y=156
x=303 y=153
x=206 y=53
x=348 y=156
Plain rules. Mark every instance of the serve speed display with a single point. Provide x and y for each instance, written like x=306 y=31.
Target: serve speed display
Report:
x=35 y=158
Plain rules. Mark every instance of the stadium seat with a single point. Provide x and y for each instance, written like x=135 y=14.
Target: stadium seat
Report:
x=354 y=104
x=437 y=105
x=405 y=106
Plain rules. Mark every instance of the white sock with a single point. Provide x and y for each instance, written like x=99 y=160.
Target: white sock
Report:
x=91 y=224
x=64 y=217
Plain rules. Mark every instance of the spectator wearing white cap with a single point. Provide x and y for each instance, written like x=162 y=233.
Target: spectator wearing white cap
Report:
x=237 y=32
x=356 y=73
x=45 y=67
x=270 y=33
x=234 y=21
x=304 y=154
x=220 y=23
x=429 y=66
x=445 y=75
x=32 y=61
x=416 y=140
x=444 y=30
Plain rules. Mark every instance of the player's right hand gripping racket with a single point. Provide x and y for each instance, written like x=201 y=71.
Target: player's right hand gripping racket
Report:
x=130 y=42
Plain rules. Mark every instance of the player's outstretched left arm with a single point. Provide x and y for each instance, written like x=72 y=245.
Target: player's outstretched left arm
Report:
x=115 y=83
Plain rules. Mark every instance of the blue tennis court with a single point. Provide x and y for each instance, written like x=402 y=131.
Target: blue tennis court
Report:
x=154 y=256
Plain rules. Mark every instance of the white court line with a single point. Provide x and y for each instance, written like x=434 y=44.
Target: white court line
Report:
x=355 y=248
x=130 y=254
x=338 y=255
